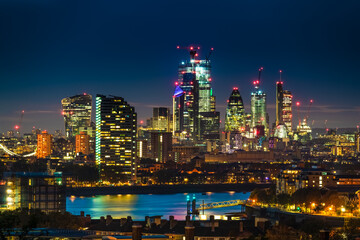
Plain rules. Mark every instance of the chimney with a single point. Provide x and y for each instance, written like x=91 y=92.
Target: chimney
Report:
x=172 y=222
x=241 y=227
x=147 y=222
x=136 y=232
x=102 y=219
x=188 y=222
x=108 y=219
x=212 y=223
x=189 y=232
x=82 y=213
x=129 y=219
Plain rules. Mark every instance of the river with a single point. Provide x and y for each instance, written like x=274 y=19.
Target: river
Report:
x=140 y=205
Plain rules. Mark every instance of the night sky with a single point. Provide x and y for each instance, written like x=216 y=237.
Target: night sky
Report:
x=51 y=49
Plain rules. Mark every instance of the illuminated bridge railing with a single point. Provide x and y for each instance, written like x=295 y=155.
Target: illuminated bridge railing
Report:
x=222 y=204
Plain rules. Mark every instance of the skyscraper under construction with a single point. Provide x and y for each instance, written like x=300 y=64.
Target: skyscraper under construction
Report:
x=195 y=116
x=259 y=116
x=283 y=106
x=235 y=113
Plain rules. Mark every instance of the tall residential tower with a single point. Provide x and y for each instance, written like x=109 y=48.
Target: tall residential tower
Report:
x=115 y=149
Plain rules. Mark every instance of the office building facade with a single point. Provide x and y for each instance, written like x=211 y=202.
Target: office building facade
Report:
x=283 y=107
x=115 y=143
x=235 y=113
x=194 y=102
x=35 y=190
x=82 y=143
x=161 y=146
x=77 y=113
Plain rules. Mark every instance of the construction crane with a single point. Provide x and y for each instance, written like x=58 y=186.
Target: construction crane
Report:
x=257 y=82
x=192 y=50
x=308 y=111
x=298 y=112
x=208 y=56
x=260 y=71
x=325 y=123
x=18 y=126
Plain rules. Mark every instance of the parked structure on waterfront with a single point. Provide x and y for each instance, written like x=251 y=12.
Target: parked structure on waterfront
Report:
x=35 y=190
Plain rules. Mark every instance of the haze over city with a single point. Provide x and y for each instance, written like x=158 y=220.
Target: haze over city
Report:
x=54 y=49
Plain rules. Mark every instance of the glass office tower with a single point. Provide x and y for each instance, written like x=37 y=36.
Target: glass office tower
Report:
x=194 y=102
x=235 y=113
x=77 y=113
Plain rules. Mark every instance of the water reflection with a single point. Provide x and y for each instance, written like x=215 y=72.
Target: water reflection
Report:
x=140 y=205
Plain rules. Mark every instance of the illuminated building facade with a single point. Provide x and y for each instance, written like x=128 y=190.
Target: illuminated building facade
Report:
x=283 y=107
x=194 y=102
x=44 y=145
x=82 y=143
x=77 y=113
x=357 y=142
x=161 y=146
x=259 y=115
x=235 y=113
x=35 y=190
x=115 y=143
x=161 y=119
x=142 y=148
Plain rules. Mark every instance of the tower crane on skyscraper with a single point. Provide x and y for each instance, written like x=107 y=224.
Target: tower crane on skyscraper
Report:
x=192 y=50
x=257 y=82
x=208 y=56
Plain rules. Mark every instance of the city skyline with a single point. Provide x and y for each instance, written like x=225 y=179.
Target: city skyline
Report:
x=45 y=65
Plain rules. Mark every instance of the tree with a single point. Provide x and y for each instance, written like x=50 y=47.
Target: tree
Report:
x=283 y=199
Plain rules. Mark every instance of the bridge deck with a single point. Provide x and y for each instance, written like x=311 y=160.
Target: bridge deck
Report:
x=221 y=204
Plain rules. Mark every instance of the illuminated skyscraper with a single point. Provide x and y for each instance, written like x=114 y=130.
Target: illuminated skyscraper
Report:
x=44 y=145
x=235 y=113
x=161 y=119
x=259 y=115
x=283 y=107
x=82 y=143
x=195 y=116
x=115 y=148
x=77 y=113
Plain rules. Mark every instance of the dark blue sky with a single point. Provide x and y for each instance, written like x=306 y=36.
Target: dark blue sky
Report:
x=59 y=48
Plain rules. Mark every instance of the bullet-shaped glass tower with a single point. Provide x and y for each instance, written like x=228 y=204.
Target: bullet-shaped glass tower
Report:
x=235 y=113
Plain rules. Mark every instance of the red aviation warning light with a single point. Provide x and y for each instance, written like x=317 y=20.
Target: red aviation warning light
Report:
x=17 y=127
x=297 y=103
